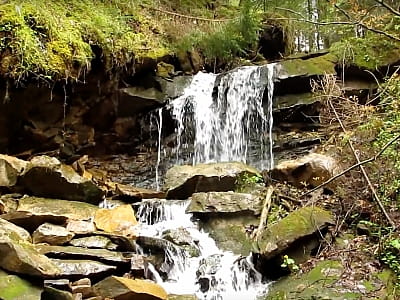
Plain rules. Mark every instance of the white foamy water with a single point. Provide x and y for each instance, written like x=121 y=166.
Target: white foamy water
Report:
x=232 y=278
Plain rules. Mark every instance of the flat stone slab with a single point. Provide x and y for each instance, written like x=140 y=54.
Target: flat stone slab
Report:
x=183 y=181
x=224 y=202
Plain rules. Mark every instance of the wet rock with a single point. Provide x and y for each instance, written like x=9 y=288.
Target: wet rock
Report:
x=120 y=288
x=34 y=211
x=83 y=253
x=81 y=268
x=80 y=227
x=47 y=177
x=14 y=288
x=94 y=242
x=124 y=243
x=51 y=293
x=182 y=181
x=208 y=267
x=51 y=234
x=136 y=194
x=175 y=87
x=10 y=169
x=231 y=232
x=297 y=225
x=120 y=219
x=181 y=237
x=224 y=202
x=139 y=265
x=133 y=100
x=310 y=170
x=18 y=255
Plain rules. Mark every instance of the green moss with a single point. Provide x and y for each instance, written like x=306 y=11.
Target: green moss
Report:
x=56 y=38
x=320 y=65
x=14 y=288
x=370 y=52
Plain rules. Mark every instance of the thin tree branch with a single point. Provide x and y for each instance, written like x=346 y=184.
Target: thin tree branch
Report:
x=371 y=159
x=371 y=187
x=388 y=7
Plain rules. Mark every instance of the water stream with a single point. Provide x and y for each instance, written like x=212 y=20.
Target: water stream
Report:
x=213 y=274
x=219 y=117
x=224 y=117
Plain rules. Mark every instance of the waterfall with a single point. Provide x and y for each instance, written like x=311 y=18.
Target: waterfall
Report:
x=214 y=274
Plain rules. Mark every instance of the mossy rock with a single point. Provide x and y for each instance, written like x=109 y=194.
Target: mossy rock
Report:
x=14 y=288
x=297 y=225
x=314 y=66
x=319 y=283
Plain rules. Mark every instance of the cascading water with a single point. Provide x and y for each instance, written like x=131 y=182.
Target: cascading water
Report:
x=214 y=274
x=223 y=118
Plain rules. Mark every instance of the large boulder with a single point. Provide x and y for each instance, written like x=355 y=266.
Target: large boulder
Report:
x=47 y=177
x=120 y=288
x=224 y=202
x=34 y=211
x=18 y=255
x=182 y=181
x=10 y=169
x=14 y=288
x=310 y=170
x=299 y=224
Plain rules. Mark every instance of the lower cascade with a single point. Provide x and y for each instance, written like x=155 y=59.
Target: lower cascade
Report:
x=204 y=270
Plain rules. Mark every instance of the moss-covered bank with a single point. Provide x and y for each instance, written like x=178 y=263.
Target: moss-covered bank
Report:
x=59 y=39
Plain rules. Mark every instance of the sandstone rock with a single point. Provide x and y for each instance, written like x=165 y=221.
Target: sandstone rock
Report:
x=96 y=241
x=47 y=177
x=34 y=211
x=16 y=231
x=80 y=227
x=51 y=234
x=137 y=194
x=310 y=170
x=224 y=202
x=84 y=287
x=83 y=253
x=10 y=169
x=14 y=288
x=120 y=288
x=59 y=284
x=120 y=219
x=19 y=256
x=182 y=181
x=82 y=268
x=299 y=224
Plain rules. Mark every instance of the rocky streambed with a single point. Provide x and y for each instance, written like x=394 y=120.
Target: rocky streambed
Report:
x=67 y=233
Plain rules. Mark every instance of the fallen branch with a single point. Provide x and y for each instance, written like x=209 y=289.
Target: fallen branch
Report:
x=374 y=158
x=265 y=211
x=371 y=187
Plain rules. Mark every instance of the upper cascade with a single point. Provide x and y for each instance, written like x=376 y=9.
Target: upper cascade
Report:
x=224 y=118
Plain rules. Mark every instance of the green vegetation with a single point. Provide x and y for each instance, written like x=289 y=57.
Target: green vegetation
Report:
x=390 y=255
x=57 y=38
x=369 y=52
x=227 y=40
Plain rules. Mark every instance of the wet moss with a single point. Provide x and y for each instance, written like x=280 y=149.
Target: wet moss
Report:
x=13 y=288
